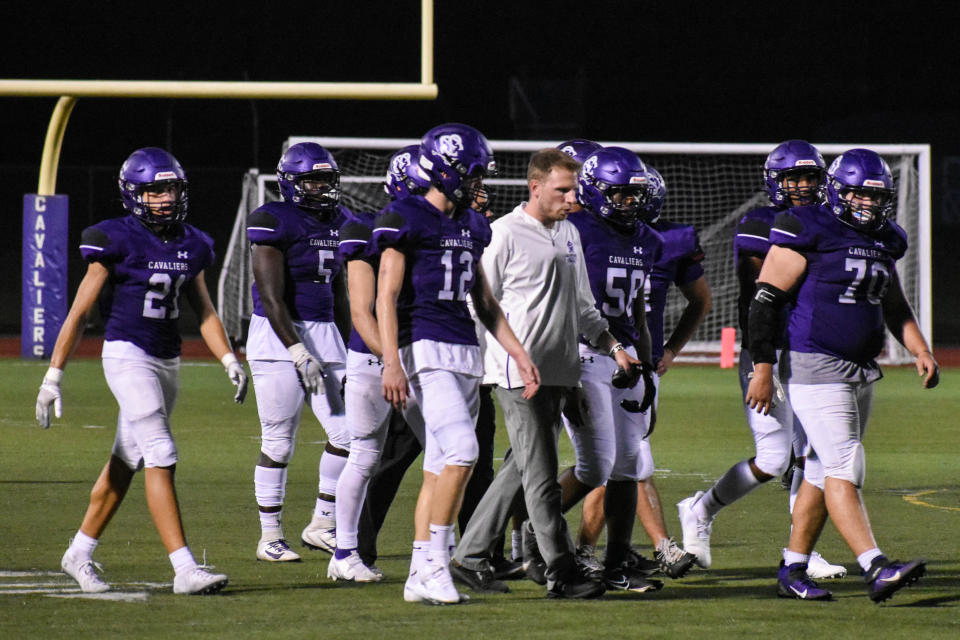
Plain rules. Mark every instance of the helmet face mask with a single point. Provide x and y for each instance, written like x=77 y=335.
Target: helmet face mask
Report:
x=309 y=177
x=782 y=173
x=860 y=190
x=153 y=187
x=613 y=185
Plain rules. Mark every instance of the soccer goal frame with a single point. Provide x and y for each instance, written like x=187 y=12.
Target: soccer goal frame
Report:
x=708 y=185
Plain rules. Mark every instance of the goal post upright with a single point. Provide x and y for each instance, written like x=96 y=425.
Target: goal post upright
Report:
x=45 y=214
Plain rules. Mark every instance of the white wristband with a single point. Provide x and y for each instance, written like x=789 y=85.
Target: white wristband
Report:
x=616 y=349
x=228 y=359
x=53 y=375
x=298 y=351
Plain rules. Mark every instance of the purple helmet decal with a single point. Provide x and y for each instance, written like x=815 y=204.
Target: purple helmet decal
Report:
x=404 y=175
x=578 y=148
x=657 y=193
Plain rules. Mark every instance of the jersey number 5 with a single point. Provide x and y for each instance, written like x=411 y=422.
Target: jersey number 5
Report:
x=162 y=299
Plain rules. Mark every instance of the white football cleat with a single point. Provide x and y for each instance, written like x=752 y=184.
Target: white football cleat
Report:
x=351 y=568
x=320 y=535
x=819 y=569
x=84 y=572
x=276 y=551
x=411 y=588
x=198 y=582
x=435 y=585
x=696 y=530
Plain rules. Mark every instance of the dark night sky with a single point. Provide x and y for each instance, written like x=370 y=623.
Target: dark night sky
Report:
x=878 y=72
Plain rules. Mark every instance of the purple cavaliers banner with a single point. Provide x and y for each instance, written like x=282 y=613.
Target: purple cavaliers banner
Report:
x=44 y=304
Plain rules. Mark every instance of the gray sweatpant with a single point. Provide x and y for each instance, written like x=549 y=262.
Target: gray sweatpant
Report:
x=533 y=427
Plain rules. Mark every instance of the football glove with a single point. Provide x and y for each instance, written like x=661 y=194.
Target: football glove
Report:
x=49 y=395
x=308 y=369
x=575 y=407
x=237 y=376
x=626 y=378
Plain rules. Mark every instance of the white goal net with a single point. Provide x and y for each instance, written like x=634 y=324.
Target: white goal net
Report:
x=709 y=186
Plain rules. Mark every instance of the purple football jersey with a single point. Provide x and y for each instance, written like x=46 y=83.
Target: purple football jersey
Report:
x=309 y=247
x=442 y=255
x=839 y=304
x=147 y=275
x=355 y=237
x=618 y=265
x=681 y=263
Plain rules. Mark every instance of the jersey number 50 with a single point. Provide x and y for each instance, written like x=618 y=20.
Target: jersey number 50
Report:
x=619 y=300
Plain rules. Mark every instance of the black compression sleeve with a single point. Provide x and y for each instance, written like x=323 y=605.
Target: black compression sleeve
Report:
x=764 y=322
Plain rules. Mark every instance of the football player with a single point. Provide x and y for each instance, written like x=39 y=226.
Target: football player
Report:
x=793 y=175
x=835 y=263
x=294 y=347
x=368 y=412
x=681 y=265
x=148 y=258
x=620 y=251
x=430 y=262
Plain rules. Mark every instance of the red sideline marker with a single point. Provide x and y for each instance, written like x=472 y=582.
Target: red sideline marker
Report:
x=728 y=337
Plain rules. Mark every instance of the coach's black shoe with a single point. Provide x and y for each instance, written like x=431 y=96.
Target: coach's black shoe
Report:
x=504 y=569
x=575 y=585
x=533 y=563
x=626 y=579
x=639 y=562
x=481 y=581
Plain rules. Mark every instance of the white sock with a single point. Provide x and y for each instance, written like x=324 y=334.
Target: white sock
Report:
x=82 y=546
x=516 y=546
x=418 y=556
x=451 y=541
x=325 y=511
x=331 y=466
x=182 y=560
x=269 y=487
x=737 y=482
x=351 y=490
x=439 y=540
x=792 y=557
x=866 y=558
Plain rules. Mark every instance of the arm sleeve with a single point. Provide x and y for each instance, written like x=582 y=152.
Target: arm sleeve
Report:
x=391 y=230
x=263 y=227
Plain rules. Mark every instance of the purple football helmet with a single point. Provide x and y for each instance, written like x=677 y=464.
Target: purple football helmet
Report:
x=860 y=189
x=657 y=193
x=309 y=177
x=456 y=158
x=793 y=159
x=613 y=185
x=404 y=176
x=153 y=170
x=578 y=148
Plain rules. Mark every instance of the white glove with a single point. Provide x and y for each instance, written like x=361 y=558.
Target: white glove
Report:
x=237 y=376
x=49 y=395
x=308 y=369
